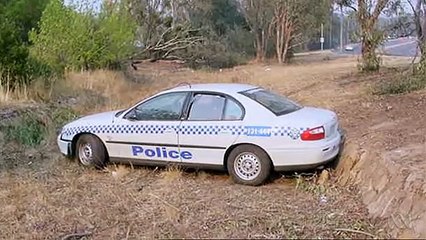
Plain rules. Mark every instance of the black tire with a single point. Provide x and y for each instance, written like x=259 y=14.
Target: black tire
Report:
x=256 y=158
x=98 y=156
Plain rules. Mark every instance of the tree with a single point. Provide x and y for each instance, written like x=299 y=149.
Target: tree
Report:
x=293 y=22
x=83 y=40
x=210 y=32
x=258 y=14
x=16 y=19
x=368 y=12
x=419 y=10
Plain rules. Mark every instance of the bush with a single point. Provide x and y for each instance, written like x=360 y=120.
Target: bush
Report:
x=16 y=19
x=29 y=130
x=81 y=40
x=61 y=116
x=401 y=85
x=213 y=55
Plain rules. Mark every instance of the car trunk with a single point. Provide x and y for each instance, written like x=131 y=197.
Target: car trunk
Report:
x=309 y=117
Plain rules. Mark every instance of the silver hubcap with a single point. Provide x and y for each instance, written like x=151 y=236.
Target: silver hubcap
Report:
x=247 y=166
x=85 y=154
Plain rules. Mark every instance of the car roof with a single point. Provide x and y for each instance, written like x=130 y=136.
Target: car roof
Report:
x=229 y=88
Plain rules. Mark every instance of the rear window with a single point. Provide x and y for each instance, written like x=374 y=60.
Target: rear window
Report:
x=276 y=103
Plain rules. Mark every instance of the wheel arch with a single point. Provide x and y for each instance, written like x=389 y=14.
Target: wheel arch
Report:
x=77 y=136
x=232 y=147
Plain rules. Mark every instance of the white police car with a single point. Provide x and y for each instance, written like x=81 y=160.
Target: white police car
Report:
x=245 y=129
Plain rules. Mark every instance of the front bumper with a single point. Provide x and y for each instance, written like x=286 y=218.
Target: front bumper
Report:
x=64 y=146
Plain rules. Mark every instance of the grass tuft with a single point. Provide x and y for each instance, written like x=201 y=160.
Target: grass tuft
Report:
x=172 y=173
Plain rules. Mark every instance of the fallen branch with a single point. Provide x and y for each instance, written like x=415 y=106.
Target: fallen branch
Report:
x=76 y=235
x=355 y=231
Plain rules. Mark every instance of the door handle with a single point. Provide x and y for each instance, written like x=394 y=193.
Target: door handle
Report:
x=225 y=131
x=168 y=130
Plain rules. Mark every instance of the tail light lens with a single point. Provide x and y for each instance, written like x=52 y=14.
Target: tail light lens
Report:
x=313 y=134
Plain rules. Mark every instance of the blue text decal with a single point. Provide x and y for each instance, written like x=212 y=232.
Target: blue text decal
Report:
x=258 y=131
x=160 y=152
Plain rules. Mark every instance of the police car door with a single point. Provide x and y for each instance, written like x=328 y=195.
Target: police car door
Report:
x=212 y=123
x=148 y=132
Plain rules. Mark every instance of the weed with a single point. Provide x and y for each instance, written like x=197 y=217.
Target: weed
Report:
x=309 y=184
x=401 y=85
x=61 y=116
x=29 y=130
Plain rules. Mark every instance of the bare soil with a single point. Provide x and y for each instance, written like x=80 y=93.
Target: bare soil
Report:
x=44 y=195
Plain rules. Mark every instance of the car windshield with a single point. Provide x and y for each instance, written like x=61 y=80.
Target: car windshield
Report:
x=276 y=103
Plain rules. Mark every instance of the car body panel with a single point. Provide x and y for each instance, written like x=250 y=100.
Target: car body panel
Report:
x=207 y=142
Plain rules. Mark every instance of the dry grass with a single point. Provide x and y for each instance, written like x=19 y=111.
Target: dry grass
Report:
x=66 y=199
x=20 y=94
x=45 y=196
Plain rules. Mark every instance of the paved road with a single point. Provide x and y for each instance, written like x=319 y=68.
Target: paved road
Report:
x=395 y=47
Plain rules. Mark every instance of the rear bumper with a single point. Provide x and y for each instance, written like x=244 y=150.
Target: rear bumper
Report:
x=305 y=159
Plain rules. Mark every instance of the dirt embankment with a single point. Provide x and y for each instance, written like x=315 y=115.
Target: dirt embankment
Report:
x=386 y=159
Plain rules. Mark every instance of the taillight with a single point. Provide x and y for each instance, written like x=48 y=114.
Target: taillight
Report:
x=313 y=134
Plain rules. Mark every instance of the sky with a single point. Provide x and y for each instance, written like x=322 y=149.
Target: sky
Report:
x=93 y=4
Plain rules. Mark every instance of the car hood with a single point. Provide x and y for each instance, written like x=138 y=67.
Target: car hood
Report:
x=94 y=119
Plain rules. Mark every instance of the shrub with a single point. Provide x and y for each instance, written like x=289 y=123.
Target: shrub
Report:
x=401 y=85
x=16 y=19
x=61 y=116
x=213 y=55
x=75 y=39
x=29 y=130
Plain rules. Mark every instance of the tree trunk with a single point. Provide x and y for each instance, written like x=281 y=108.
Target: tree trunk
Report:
x=370 y=37
x=370 y=60
x=285 y=51
x=259 y=47
x=264 y=45
x=420 y=23
x=279 y=43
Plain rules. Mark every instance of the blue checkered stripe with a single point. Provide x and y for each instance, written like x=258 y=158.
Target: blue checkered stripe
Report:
x=210 y=129
x=119 y=129
x=292 y=132
x=278 y=131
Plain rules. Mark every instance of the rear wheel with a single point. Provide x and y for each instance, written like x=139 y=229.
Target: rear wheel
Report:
x=90 y=151
x=249 y=165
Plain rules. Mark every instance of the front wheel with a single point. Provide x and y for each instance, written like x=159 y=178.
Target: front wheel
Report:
x=249 y=165
x=91 y=151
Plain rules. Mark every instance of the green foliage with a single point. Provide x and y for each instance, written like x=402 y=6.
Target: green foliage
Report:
x=401 y=85
x=61 y=116
x=33 y=127
x=76 y=40
x=16 y=19
x=29 y=130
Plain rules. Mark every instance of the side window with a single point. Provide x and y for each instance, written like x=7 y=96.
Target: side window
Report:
x=206 y=107
x=232 y=111
x=164 y=107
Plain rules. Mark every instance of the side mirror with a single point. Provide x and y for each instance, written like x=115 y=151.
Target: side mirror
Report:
x=131 y=115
